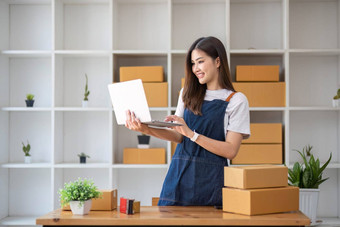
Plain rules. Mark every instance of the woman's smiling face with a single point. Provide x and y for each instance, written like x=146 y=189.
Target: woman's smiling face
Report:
x=205 y=68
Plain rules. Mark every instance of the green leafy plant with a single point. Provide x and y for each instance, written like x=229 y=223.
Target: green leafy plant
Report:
x=82 y=154
x=337 y=96
x=308 y=174
x=29 y=96
x=26 y=148
x=79 y=190
x=87 y=92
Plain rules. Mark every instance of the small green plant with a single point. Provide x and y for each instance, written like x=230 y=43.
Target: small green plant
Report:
x=29 y=96
x=82 y=154
x=87 y=92
x=79 y=190
x=26 y=148
x=308 y=174
x=337 y=96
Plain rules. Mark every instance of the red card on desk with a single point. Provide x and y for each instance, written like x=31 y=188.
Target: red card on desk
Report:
x=123 y=205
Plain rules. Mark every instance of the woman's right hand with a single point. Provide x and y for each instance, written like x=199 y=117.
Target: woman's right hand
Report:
x=133 y=123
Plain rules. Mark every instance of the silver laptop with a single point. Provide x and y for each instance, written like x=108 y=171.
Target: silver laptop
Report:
x=130 y=95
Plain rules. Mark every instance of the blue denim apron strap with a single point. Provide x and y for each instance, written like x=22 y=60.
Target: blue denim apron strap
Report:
x=195 y=175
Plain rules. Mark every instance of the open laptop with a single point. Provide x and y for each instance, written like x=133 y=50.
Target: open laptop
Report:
x=130 y=95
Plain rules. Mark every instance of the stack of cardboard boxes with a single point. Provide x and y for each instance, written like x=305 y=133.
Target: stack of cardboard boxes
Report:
x=253 y=190
x=156 y=92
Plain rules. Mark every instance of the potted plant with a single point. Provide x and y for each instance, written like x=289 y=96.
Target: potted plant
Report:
x=143 y=141
x=26 y=149
x=82 y=157
x=308 y=177
x=336 y=99
x=29 y=100
x=86 y=94
x=79 y=195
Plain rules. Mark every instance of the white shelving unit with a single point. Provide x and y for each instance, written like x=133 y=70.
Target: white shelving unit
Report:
x=47 y=46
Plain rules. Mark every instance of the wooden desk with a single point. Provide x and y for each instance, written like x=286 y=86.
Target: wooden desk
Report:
x=173 y=215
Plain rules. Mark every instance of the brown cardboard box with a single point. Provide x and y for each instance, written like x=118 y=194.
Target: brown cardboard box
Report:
x=265 y=133
x=247 y=177
x=107 y=202
x=182 y=82
x=155 y=201
x=173 y=148
x=144 y=156
x=260 y=201
x=257 y=72
x=136 y=207
x=259 y=154
x=156 y=94
x=146 y=73
x=266 y=94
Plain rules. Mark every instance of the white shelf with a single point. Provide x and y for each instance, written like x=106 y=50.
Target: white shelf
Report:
x=141 y=52
x=78 y=165
x=28 y=165
x=254 y=51
x=140 y=166
x=27 y=53
x=316 y=108
x=267 y=108
x=82 y=109
x=314 y=52
x=328 y=222
x=81 y=53
x=28 y=109
x=19 y=221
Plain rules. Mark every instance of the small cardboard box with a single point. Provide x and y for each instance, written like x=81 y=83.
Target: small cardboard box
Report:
x=260 y=201
x=265 y=133
x=173 y=148
x=257 y=72
x=263 y=94
x=155 y=201
x=145 y=73
x=248 y=177
x=144 y=156
x=107 y=202
x=156 y=94
x=259 y=154
x=182 y=82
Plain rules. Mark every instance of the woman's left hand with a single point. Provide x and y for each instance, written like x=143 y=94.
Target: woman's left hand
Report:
x=183 y=129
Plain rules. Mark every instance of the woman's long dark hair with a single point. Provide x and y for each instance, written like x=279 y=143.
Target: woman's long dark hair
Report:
x=194 y=92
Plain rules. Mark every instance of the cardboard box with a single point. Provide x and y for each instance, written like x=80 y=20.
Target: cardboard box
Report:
x=248 y=177
x=266 y=94
x=146 y=73
x=144 y=156
x=182 y=82
x=259 y=154
x=257 y=72
x=265 y=133
x=173 y=148
x=155 y=201
x=136 y=207
x=156 y=94
x=260 y=201
x=107 y=202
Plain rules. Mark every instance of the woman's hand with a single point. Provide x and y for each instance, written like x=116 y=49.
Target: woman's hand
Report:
x=133 y=123
x=184 y=129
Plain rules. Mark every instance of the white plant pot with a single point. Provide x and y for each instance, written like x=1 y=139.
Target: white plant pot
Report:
x=85 y=104
x=27 y=159
x=309 y=203
x=83 y=209
x=335 y=102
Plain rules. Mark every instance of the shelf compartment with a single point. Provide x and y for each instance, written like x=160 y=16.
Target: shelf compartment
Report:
x=28 y=24
x=120 y=60
x=257 y=59
x=23 y=205
x=34 y=127
x=70 y=81
x=178 y=72
x=99 y=176
x=317 y=91
x=82 y=25
x=256 y=24
x=148 y=181
x=185 y=31
x=135 y=29
x=77 y=132
x=30 y=75
x=322 y=134
x=320 y=16
x=122 y=133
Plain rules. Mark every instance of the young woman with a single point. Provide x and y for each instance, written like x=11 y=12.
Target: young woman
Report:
x=214 y=121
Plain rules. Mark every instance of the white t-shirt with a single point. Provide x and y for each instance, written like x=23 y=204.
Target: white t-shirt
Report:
x=236 y=118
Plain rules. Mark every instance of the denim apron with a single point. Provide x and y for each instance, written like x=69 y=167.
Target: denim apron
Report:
x=195 y=176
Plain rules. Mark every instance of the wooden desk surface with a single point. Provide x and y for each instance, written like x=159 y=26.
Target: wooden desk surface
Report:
x=173 y=215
